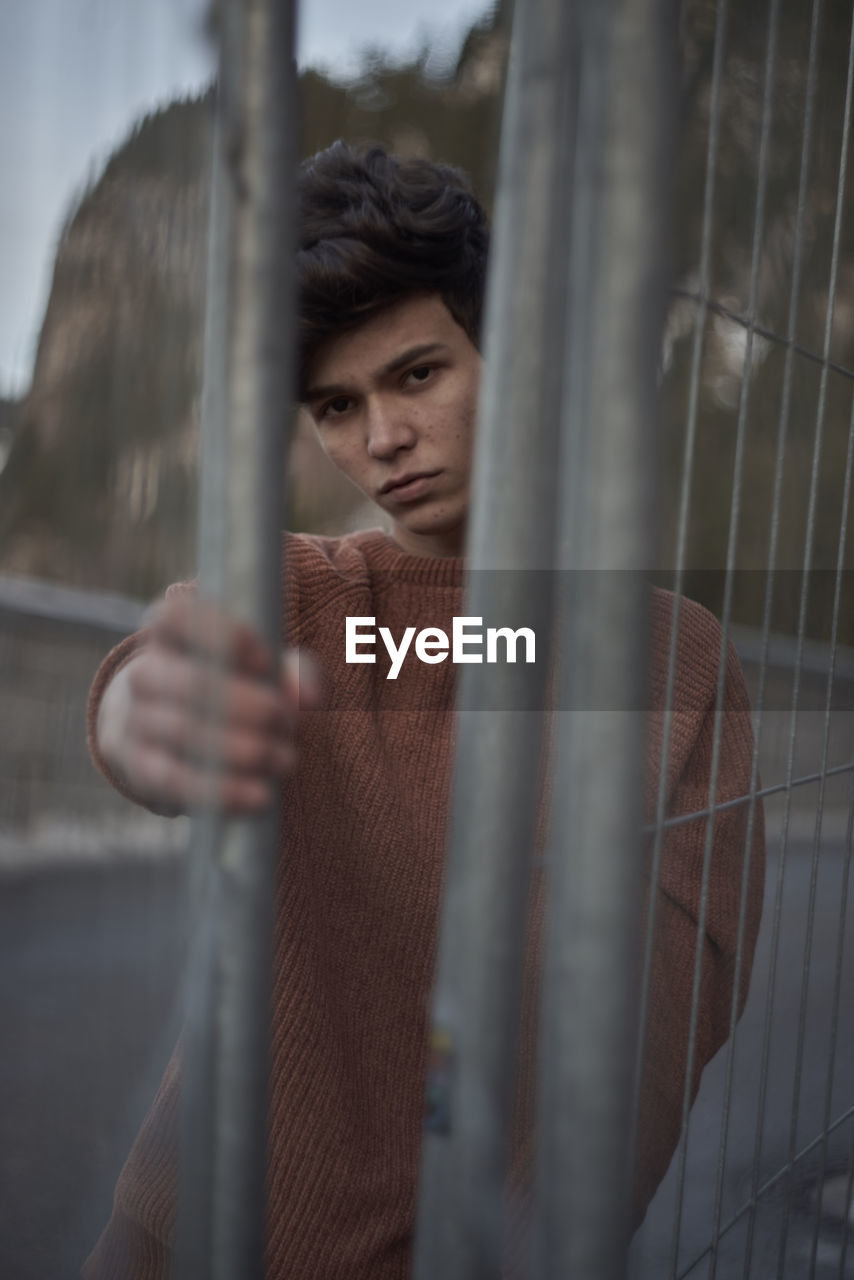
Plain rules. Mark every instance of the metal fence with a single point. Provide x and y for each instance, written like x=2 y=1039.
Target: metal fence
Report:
x=648 y=878
x=772 y=1132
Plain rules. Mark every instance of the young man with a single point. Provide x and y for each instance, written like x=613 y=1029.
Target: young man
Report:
x=391 y=274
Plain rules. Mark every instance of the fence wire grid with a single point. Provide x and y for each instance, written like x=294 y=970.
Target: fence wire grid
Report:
x=772 y=1131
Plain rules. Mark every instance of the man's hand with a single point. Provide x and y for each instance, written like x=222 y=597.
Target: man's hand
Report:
x=204 y=713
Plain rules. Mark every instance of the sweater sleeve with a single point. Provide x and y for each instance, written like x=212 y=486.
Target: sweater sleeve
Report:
x=734 y=875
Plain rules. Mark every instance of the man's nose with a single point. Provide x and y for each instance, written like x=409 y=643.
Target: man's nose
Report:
x=389 y=429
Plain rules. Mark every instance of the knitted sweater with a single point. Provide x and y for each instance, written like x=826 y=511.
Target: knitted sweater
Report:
x=357 y=912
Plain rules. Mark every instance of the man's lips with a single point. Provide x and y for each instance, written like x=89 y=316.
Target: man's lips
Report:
x=408 y=486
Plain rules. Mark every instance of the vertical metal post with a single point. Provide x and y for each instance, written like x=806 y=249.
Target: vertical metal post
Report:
x=620 y=204
x=477 y=1001
x=246 y=410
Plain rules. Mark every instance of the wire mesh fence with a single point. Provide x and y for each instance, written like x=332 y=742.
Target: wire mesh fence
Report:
x=773 y=1139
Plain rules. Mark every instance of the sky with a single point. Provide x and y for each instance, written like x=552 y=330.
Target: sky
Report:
x=75 y=74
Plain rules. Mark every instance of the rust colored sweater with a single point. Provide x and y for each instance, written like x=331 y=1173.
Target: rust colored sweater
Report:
x=357 y=911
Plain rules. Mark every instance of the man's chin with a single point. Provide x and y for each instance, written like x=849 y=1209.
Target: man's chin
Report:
x=438 y=536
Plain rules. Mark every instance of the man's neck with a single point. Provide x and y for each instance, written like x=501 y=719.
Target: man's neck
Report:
x=441 y=545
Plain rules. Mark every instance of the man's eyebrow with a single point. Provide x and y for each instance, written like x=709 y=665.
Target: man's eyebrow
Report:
x=406 y=357
x=412 y=353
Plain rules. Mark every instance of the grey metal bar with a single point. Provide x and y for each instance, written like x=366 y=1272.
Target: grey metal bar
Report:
x=594 y=866
x=248 y=345
x=37 y=599
x=477 y=998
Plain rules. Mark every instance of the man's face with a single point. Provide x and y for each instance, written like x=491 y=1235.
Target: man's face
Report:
x=394 y=403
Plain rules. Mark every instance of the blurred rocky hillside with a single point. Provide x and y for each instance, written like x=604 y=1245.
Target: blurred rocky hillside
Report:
x=100 y=478
x=99 y=488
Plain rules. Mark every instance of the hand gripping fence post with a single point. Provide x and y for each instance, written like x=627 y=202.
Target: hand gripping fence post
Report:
x=246 y=399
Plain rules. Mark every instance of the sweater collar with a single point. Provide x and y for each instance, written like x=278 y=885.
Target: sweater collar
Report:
x=385 y=556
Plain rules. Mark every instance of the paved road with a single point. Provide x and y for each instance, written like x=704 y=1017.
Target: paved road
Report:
x=653 y=1246
x=88 y=980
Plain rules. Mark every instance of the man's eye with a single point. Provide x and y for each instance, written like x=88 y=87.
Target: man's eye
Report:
x=334 y=408
x=421 y=373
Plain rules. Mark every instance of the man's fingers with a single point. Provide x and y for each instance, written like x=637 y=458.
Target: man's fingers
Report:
x=209 y=744
x=191 y=624
x=183 y=681
x=171 y=781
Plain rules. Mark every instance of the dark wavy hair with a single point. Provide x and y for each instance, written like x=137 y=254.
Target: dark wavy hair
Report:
x=374 y=228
